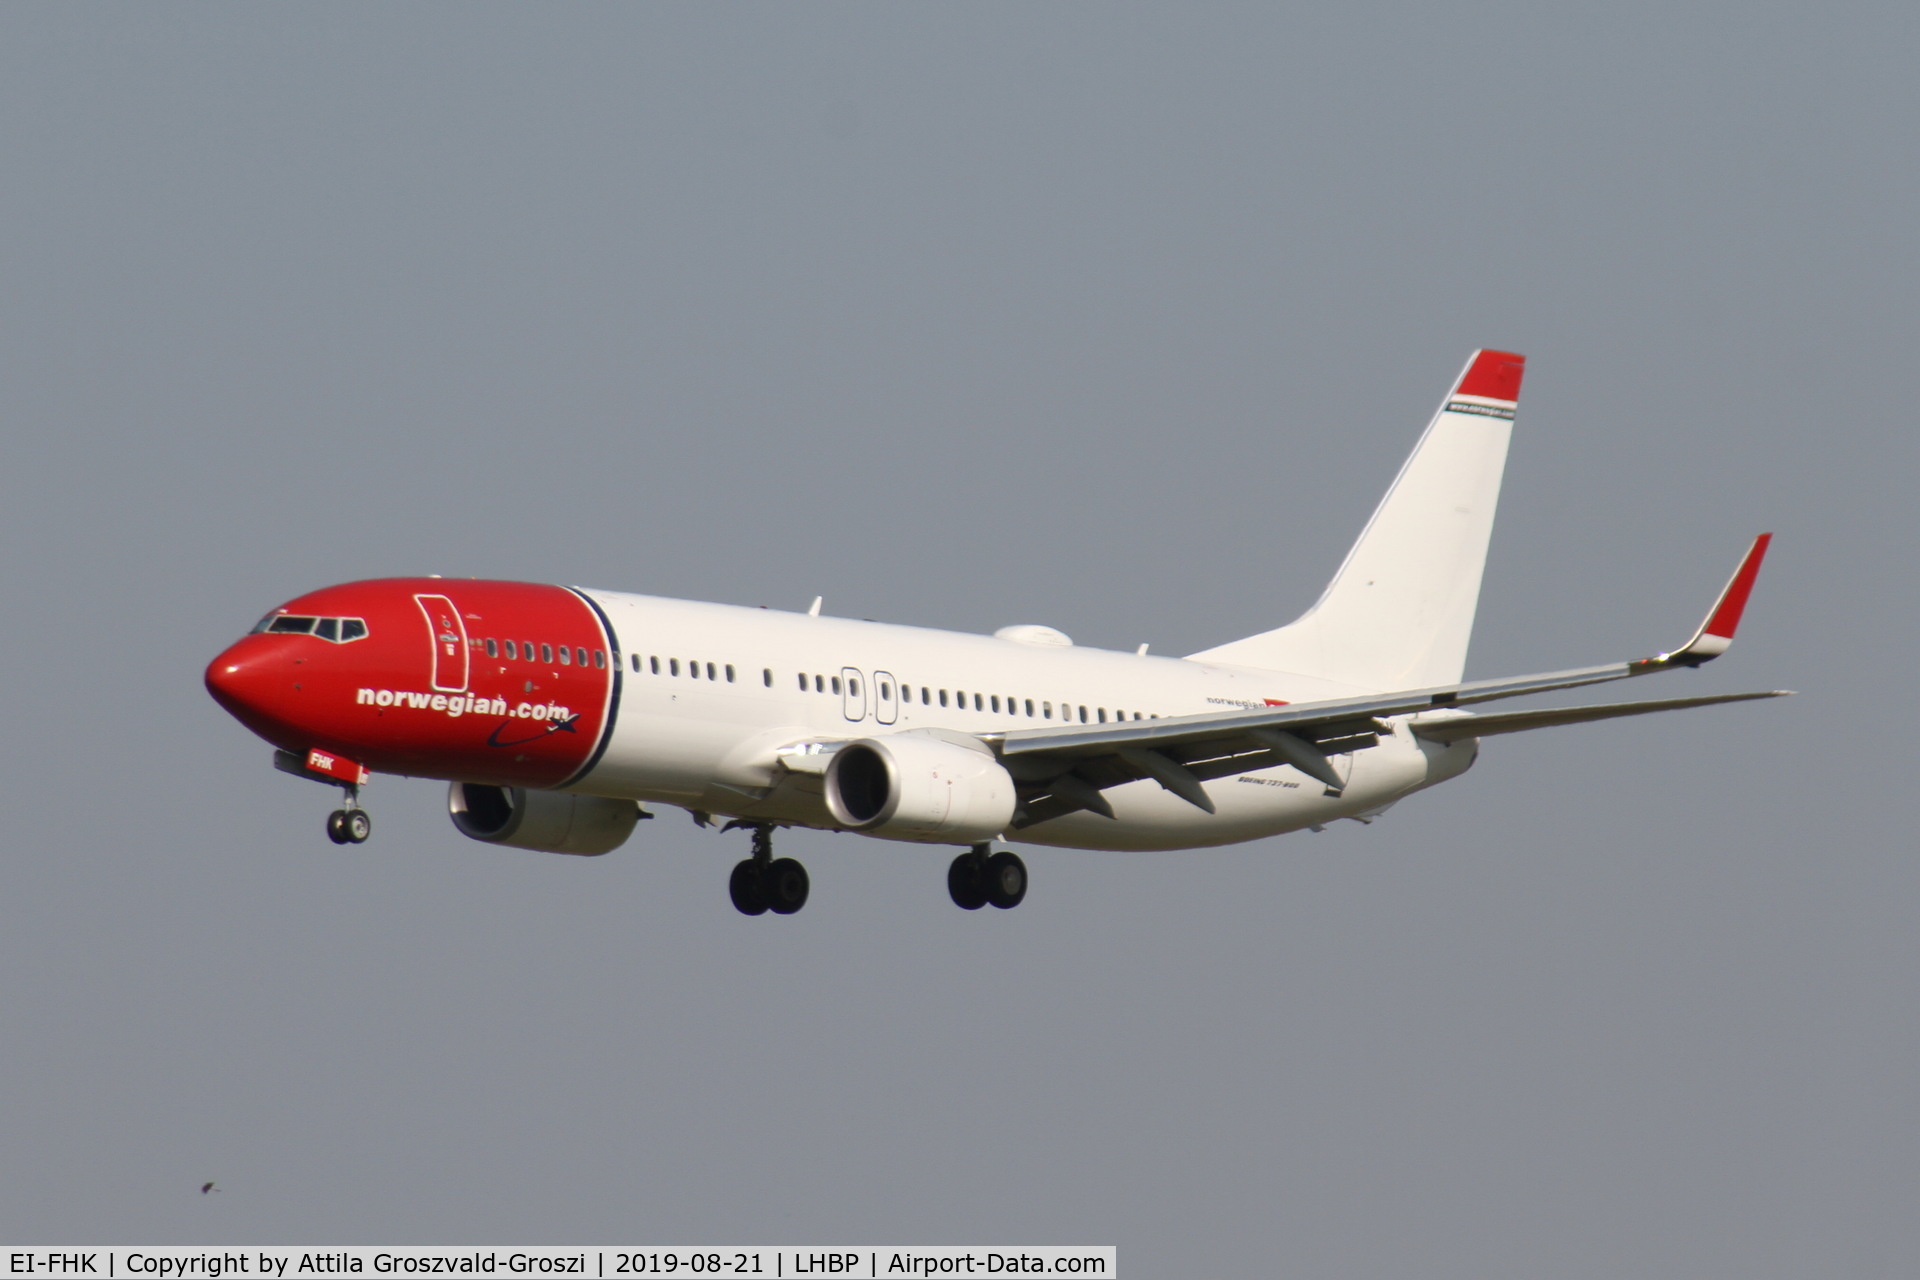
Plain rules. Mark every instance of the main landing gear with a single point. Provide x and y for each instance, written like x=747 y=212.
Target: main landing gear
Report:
x=765 y=883
x=978 y=877
x=350 y=825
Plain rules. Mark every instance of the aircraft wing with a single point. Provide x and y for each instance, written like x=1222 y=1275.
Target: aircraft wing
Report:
x=1455 y=728
x=1064 y=769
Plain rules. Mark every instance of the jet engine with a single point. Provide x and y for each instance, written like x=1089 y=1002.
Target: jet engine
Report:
x=550 y=821
x=910 y=787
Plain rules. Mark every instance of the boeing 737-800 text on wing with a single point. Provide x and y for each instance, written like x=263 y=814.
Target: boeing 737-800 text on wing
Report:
x=557 y=712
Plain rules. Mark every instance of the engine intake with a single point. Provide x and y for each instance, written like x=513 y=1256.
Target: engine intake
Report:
x=909 y=787
x=549 y=821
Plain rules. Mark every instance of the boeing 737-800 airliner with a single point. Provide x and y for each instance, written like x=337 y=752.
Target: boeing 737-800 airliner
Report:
x=556 y=713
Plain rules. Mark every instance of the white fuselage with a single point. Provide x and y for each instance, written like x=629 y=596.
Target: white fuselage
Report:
x=726 y=742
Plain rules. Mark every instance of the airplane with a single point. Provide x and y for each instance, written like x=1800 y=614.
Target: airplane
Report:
x=557 y=713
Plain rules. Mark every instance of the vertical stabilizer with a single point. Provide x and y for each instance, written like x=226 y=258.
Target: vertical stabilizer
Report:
x=1399 y=612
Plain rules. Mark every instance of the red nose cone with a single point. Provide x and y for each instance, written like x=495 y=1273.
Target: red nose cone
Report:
x=258 y=681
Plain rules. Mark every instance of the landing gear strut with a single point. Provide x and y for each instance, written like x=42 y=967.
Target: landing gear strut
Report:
x=763 y=883
x=350 y=825
x=977 y=878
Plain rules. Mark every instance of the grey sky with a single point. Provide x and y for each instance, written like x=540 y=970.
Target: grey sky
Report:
x=1107 y=317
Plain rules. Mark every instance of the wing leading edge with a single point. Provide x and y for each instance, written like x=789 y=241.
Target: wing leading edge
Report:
x=1063 y=770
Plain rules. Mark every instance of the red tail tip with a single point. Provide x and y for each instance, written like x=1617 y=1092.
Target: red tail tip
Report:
x=1493 y=374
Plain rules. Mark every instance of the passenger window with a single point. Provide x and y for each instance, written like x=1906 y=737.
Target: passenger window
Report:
x=766 y=677
x=711 y=674
x=886 y=691
x=599 y=657
x=853 y=687
x=803 y=682
x=978 y=704
x=566 y=656
x=1046 y=711
x=492 y=652
x=1029 y=708
x=285 y=625
x=996 y=702
x=351 y=629
x=819 y=684
x=328 y=629
x=653 y=664
x=673 y=666
x=960 y=699
x=1103 y=715
x=1083 y=715
x=580 y=656
x=546 y=653
x=729 y=673
x=943 y=697
x=926 y=697
x=836 y=684
x=635 y=658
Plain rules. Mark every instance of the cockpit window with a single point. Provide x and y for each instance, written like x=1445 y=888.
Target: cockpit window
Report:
x=336 y=630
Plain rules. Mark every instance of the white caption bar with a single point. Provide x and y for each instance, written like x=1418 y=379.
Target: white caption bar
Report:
x=852 y=1262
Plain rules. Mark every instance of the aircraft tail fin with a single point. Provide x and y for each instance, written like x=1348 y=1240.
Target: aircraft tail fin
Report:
x=1399 y=611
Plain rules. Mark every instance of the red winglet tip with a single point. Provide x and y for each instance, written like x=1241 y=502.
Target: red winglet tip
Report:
x=1493 y=374
x=1733 y=602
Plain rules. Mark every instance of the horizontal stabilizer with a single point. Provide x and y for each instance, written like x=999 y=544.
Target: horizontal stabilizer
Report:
x=1457 y=728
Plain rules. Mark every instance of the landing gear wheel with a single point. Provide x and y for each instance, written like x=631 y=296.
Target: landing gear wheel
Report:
x=1006 y=880
x=784 y=886
x=337 y=827
x=967 y=881
x=357 y=825
x=749 y=899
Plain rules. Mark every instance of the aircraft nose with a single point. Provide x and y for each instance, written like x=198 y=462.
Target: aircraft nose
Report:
x=253 y=678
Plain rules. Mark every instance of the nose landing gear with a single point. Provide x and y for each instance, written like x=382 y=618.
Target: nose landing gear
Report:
x=762 y=882
x=977 y=878
x=350 y=825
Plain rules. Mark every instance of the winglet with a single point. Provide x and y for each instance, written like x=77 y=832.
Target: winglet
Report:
x=1715 y=635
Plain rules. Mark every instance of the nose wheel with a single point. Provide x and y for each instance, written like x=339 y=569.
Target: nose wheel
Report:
x=763 y=883
x=349 y=826
x=977 y=878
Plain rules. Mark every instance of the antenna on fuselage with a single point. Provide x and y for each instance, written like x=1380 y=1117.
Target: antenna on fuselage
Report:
x=813 y=610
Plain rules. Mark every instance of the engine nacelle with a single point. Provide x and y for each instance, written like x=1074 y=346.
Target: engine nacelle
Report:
x=909 y=787
x=550 y=821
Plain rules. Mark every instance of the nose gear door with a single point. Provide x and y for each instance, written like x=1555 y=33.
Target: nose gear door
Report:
x=449 y=640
